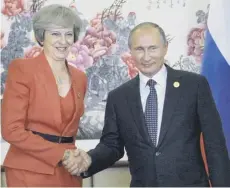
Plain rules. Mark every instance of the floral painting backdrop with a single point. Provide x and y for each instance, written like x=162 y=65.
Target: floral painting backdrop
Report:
x=102 y=51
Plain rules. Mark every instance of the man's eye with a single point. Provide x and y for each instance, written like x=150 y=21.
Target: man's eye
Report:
x=139 y=49
x=153 y=48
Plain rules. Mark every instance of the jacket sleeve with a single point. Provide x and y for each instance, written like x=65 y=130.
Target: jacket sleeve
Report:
x=14 y=117
x=214 y=141
x=111 y=147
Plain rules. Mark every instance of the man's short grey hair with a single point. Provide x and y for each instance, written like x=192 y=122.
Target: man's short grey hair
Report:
x=147 y=24
x=55 y=16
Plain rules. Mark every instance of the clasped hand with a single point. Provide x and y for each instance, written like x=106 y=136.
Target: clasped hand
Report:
x=76 y=161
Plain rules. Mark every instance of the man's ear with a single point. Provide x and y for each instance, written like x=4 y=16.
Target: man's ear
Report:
x=167 y=44
x=166 y=48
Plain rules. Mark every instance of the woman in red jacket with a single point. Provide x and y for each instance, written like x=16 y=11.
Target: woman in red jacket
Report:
x=42 y=105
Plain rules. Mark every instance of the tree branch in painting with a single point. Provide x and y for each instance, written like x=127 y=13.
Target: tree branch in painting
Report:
x=36 y=5
x=114 y=11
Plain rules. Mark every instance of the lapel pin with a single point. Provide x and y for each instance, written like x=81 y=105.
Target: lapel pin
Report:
x=78 y=95
x=176 y=84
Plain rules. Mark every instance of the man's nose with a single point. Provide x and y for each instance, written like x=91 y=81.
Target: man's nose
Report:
x=146 y=56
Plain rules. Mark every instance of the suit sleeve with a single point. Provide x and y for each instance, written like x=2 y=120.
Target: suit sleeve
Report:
x=111 y=147
x=14 y=117
x=214 y=141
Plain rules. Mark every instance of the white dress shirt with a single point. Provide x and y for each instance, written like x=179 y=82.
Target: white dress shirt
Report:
x=160 y=78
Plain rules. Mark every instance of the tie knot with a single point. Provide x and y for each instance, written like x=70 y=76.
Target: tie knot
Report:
x=151 y=83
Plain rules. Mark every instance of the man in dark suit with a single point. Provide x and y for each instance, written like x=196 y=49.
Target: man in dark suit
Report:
x=159 y=122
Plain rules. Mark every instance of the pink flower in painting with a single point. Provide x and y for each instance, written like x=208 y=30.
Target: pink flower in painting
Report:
x=195 y=43
x=96 y=22
x=72 y=5
x=98 y=39
x=79 y=57
x=129 y=61
x=132 y=15
x=12 y=7
x=33 y=52
x=2 y=42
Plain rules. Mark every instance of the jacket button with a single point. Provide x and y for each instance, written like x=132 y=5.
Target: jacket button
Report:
x=158 y=153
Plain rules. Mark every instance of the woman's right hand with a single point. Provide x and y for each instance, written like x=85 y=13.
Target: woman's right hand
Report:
x=76 y=161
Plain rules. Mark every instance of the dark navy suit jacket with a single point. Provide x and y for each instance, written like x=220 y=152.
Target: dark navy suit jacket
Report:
x=177 y=161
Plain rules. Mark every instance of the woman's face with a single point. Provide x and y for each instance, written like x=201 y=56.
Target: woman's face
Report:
x=57 y=43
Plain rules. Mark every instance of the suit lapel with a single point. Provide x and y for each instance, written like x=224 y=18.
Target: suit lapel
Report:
x=77 y=96
x=51 y=91
x=76 y=93
x=134 y=101
x=171 y=97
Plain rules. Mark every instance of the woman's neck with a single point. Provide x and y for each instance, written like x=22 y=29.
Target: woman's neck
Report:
x=56 y=65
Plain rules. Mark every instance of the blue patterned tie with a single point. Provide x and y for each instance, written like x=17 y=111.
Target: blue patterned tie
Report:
x=151 y=112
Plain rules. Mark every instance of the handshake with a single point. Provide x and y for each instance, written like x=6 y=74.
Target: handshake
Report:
x=76 y=161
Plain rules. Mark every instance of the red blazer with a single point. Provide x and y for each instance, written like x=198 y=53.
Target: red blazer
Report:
x=31 y=102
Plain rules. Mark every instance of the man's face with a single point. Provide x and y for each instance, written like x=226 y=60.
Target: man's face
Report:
x=148 y=50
